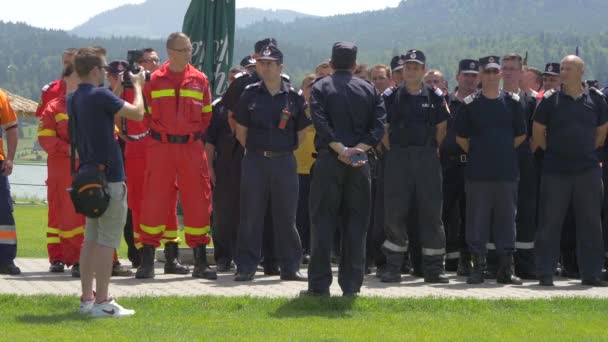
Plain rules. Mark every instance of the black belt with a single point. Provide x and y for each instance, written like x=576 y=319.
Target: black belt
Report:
x=271 y=154
x=463 y=158
x=175 y=139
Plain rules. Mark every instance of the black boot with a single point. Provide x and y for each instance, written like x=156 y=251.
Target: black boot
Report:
x=477 y=272
x=57 y=267
x=433 y=269
x=505 y=270
x=464 y=264
x=172 y=265
x=136 y=262
x=392 y=270
x=10 y=268
x=201 y=267
x=146 y=269
x=491 y=270
x=76 y=271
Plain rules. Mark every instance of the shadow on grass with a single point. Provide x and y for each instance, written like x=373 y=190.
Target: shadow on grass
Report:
x=333 y=307
x=53 y=318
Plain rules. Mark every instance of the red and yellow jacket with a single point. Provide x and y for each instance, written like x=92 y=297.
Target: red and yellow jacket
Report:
x=54 y=138
x=50 y=92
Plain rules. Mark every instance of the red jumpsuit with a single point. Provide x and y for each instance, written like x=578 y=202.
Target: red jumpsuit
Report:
x=50 y=92
x=136 y=139
x=179 y=107
x=65 y=230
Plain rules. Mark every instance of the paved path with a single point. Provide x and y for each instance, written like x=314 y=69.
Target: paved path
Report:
x=36 y=280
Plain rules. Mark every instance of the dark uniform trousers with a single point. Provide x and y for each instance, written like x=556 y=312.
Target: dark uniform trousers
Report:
x=226 y=194
x=268 y=182
x=413 y=174
x=605 y=211
x=584 y=191
x=454 y=206
x=491 y=208
x=303 y=213
x=526 y=218
x=340 y=198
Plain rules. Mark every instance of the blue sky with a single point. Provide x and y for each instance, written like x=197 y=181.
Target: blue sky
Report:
x=52 y=14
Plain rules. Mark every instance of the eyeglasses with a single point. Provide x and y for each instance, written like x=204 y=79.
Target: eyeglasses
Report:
x=186 y=49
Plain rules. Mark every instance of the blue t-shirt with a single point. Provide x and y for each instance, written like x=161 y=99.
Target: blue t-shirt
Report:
x=491 y=126
x=571 y=126
x=94 y=109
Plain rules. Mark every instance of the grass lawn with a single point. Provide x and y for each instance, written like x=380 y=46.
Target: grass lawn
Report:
x=31 y=223
x=308 y=319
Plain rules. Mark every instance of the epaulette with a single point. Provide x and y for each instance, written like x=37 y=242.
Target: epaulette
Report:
x=467 y=100
x=389 y=91
x=216 y=101
x=300 y=92
x=285 y=76
x=253 y=85
x=548 y=93
x=437 y=91
x=513 y=96
x=241 y=74
x=596 y=91
x=48 y=85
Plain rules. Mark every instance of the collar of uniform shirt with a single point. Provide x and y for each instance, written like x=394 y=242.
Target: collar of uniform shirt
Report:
x=584 y=93
x=282 y=89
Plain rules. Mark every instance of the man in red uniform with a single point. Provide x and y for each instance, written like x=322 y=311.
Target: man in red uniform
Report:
x=66 y=226
x=58 y=87
x=179 y=103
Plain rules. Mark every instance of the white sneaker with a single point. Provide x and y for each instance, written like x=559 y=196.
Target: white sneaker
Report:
x=110 y=308
x=86 y=306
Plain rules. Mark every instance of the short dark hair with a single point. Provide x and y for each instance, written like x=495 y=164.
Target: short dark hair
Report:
x=87 y=59
x=100 y=50
x=537 y=73
x=175 y=36
x=514 y=57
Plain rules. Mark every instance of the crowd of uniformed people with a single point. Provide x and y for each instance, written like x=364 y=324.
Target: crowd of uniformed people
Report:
x=378 y=169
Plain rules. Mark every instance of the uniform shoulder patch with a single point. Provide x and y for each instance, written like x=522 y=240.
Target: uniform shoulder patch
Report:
x=285 y=76
x=548 y=93
x=300 y=92
x=389 y=91
x=253 y=85
x=467 y=100
x=514 y=96
x=596 y=91
x=240 y=74
x=48 y=85
x=216 y=101
x=437 y=91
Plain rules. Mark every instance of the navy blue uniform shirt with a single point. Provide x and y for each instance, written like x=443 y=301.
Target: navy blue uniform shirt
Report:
x=94 y=109
x=491 y=125
x=571 y=126
x=261 y=113
x=233 y=94
x=348 y=110
x=450 y=150
x=413 y=118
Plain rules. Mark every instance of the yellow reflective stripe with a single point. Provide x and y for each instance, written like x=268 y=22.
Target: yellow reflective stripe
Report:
x=47 y=133
x=163 y=93
x=71 y=233
x=50 y=230
x=139 y=245
x=169 y=234
x=191 y=93
x=136 y=235
x=152 y=230
x=197 y=231
x=61 y=116
x=52 y=240
x=207 y=109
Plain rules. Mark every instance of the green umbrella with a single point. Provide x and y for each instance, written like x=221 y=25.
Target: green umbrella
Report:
x=210 y=26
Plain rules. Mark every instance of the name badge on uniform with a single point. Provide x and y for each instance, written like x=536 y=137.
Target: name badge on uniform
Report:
x=285 y=115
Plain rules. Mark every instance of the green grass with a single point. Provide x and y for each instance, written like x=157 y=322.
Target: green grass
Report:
x=308 y=319
x=31 y=221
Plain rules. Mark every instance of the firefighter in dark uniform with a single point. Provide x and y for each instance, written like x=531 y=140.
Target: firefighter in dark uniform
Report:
x=230 y=99
x=349 y=116
x=453 y=162
x=270 y=123
x=489 y=127
x=417 y=124
x=570 y=125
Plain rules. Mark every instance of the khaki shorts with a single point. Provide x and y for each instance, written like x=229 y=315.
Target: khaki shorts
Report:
x=107 y=230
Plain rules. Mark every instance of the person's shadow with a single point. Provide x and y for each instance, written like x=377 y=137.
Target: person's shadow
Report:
x=53 y=318
x=332 y=307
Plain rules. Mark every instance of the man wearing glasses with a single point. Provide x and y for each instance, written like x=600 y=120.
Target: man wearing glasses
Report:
x=178 y=101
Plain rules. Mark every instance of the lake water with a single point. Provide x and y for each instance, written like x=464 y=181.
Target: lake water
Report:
x=28 y=180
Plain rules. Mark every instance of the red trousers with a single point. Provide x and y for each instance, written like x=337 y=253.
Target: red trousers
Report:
x=65 y=229
x=135 y=169
x=166 y=164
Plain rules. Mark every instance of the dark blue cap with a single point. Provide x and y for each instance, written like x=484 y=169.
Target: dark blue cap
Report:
x=247 y=61
x=468 y=66
x=490 y=62
x=117 y=67
x=271 y=53
x=396 y=63
x=552 y=69
x=263 y=43
x=344 y=53
x=414 y=55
